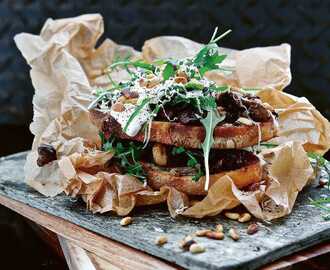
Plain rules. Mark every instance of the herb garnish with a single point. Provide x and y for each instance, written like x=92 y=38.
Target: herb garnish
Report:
x=192 y=161
x=208 y=57
x=168 y=71
x=209 y=123
x=127 y=155
x=323 y=204
x=321 y=163
x=136 y=112
x=269 y=145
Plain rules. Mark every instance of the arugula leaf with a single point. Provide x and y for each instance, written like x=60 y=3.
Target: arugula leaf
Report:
x=321 y=161
x=219 y=89
x=269 y=145
x=324 y=205
x=144 y=65
x=192 y=161
x=199 y=174
x=207 y=103
x=102 y=138
x=136 y=112
x=126 y=154
x=168 y=71
x=178 y=150
x=214 y=39
x=208 y=58
x=209 y=123
x=194 y=84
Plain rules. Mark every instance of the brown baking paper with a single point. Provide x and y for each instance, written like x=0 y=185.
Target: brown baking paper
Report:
x=65 y=69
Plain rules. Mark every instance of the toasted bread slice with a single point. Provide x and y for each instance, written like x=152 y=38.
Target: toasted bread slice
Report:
x=171 y=133
x=158 y=176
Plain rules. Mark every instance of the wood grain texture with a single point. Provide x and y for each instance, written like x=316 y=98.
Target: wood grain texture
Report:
x=81 y=259
x=303 y=228
x=299 y=257
x=102 y=264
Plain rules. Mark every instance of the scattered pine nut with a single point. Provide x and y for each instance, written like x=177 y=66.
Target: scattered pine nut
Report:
x=245 y=217
x=215 y=235
x=186 y=242
x=201 y=233
x=161 y=240
x=232 y=215
x=219 y=228
x=196 y=248
x=233 y=234
x=118 y=107
x=182 y=80
x=181 y=73
x=126 y=221
x=253 y=228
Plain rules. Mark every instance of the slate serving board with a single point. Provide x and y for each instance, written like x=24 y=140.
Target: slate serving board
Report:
x=303 y=228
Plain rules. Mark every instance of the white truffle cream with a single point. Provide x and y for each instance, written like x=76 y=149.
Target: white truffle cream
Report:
x=138 y=121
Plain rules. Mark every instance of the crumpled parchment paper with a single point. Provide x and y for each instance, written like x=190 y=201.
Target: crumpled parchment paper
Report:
x=66 y=67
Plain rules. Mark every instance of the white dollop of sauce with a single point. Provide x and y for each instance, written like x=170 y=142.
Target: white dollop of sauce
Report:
x=136 y=124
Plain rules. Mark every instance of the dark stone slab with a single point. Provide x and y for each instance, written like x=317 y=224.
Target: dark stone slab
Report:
x=303 y=228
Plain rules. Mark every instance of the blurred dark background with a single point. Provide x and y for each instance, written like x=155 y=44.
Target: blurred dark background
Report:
x=303 y=24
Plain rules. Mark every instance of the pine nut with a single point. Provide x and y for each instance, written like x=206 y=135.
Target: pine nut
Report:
x=219 y=228
x=126 y=221
x=196 y=248
x=182 y=80
x=161 y=240
x=201 y=233
x=245 y=217
x=159 y=154
x=232 y=215
x=215 y=235
x=233 y=234
x=186 y=242
x=181 y=73
x=118 y=107
x=252 y=229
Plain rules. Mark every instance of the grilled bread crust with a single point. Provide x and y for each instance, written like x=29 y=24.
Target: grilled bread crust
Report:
x=171 y=133
x=242 y=177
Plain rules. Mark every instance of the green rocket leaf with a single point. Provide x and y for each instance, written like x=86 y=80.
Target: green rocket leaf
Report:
x=212 y=119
